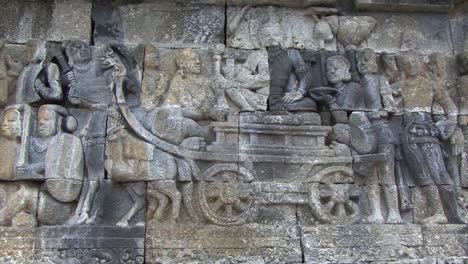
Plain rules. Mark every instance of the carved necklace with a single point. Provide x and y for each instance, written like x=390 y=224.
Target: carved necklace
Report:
x=83 y=68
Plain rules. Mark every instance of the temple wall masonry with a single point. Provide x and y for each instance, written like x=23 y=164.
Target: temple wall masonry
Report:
x=233 y=131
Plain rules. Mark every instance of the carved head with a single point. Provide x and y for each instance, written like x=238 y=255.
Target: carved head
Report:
x=269 y=33
x=12 y=122
x=188 y=60
x=388 y=62
x=338 y=69
x=409 y=63
x=50 y=119
x=78 y=52
x=462 y=60
x=366 y=61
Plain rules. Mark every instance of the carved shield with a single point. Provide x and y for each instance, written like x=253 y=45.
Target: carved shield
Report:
x=64 y=158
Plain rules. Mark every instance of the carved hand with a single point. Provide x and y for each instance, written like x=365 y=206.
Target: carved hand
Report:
x=292 y=97
x=457 y=142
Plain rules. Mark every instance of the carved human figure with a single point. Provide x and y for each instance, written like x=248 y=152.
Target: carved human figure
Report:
x=289 y=75
x=8 y=73
x=40 y=80
x=20 y=207
x=421 y=138
x=462 y=88
x=89 y=90
x=379 y=97
x=53 y=150
x=390 y=69
x=245 y=84
x=190 y=90
x=344 y=95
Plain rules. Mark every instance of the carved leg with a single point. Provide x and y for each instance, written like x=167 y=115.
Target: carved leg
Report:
x=152 y=202
x=84 y=214
x=433 y=198
x=239 y=100
x=455 y=212
x=391 y=202
x=373 y=196
x=187 y=193
x=163 y=201
x=138 y=203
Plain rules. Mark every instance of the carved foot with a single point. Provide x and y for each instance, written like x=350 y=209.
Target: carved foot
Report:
x=373 y=219
x=394 y=218
x=82 y=219
x=122 y=223
x=435 y=219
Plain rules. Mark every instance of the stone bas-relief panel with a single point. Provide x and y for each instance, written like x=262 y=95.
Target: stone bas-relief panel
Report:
x=294 y=142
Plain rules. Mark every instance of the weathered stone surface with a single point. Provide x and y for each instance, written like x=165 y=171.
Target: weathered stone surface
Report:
x=52 y=20
x=301 y=29
x=172 y=24
x=71 y=19
x=404 y=5
x=213 y=244
x=295 y=143
x=424 y=32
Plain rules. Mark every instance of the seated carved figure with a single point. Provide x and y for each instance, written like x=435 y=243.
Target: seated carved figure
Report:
x=191 y=91
x=289 y=75
x=21 y=205
x=246 y=84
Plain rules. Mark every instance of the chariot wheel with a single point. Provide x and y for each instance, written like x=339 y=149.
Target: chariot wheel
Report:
x=226 y=195
x=333 y=203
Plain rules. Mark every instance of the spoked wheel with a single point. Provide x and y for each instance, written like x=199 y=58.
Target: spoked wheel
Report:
x=226 y=195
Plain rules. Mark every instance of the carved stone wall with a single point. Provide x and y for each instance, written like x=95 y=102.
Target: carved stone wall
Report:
x=209 y=131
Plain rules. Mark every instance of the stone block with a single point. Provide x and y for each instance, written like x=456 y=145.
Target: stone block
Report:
x=175 y=243
x=436 y=6
x=426 y=33
x=165 y=23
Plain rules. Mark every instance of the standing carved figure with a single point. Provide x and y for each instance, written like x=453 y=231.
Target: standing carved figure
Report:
x=21 y=206
x=90 y=91
x=421 y=139
x=379 y=97
x=462 y=88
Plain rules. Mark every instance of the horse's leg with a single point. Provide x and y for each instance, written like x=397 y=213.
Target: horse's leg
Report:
x=169 y=188
x=152 y=201
x=138 y=203
x=163 y=201
x=187 y=194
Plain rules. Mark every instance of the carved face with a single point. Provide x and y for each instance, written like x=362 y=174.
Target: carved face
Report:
x=298 y=43
x=270 y=35
x=366 y=62
x=389 y=62
x=11 y=125
x=47 y=123
x=237 y=42
x=191 y=62
x=337 y=71
x=410 y=64
x=79 y=52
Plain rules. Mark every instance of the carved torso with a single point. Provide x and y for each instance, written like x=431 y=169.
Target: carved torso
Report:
x=8 y=158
